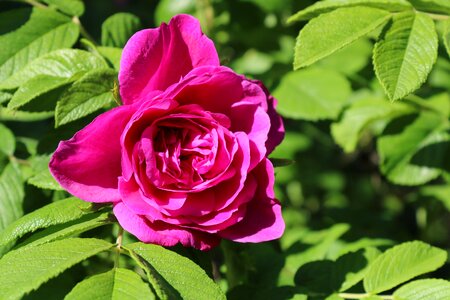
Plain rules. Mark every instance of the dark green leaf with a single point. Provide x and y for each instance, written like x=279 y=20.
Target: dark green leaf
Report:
x=11 y=196
x=117 y=284
x=188 y=279
x=447 y=36
x=88 y=94
x=166 y=9
x=8 y=142
x=436 y=6
x=25 y=270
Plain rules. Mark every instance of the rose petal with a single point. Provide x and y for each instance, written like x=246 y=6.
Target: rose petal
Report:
x=153 y=59
x=263 y=221
x=161 y=233
x=88 y=165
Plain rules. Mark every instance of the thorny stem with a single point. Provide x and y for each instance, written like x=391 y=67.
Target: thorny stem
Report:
x=118 y=247
x=361 y=296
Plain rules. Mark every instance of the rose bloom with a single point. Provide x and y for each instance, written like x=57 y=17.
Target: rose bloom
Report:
x=184 y=160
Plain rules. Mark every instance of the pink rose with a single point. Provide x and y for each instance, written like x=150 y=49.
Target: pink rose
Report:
x=185 y=158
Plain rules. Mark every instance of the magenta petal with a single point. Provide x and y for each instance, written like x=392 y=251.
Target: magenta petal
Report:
x=161 y=233
x=88 y=165
x=153 y=59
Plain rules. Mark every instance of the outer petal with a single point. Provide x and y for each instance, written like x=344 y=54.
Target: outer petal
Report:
x=153 y=59
x=161 y=233
x=88 y=165
x=263 y=220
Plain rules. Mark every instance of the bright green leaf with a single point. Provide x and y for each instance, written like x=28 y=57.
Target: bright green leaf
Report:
x=117 y=284
x=312 y=94
x=11 y=196
x=112 y=55
x=68 y=229
x=118 y=28
x=70 y=7
x=188 y=279
x=434 y=6
x=8 y=142
x=404 y=56
x=413 y=148
x=5 y=96
x=87 y=95
x=350 y=59
x=447 y=36
x=336 y=30
x=34 y=88
x=166 y=9
x=45 y=31
x=440 y=192
x=64 y=63
x=25 y=270
x=361 y=115
x=45 y=180
x=324 y=6
x=424 y=289
x=56 y=213
x=402 y=263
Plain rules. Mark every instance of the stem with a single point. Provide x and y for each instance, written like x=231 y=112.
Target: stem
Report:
x=34 y=3
x=118 y=247
x=360 y=296
x=438 y=17
x=83 y=31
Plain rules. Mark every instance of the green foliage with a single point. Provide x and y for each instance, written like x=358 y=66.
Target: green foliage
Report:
x=40 y=263
x=312 y=94
x=118 y=28
x=88 y=94
x=44 y=32
x=410 y=38
x=175 y=273
x=336 y=29
x=358 y=172
x=116 y=284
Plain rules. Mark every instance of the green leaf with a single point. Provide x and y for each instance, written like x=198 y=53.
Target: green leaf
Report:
x=350 y=59
x=12 y=19
x=8 y=144
x=188 y=279
x=11 y=196
x=116 y=284
x=360 y=116
x=424 y=289
x=326 y=276
x=410 y=39
x=118 y=28
x=70 y=7
x=45 y=180
x=166 y=9
x=56 y=213
x=112 y=55
x=34 y=88
x=319 y=245
x=447 y=36
x=434 y=6
x=413 y=148
x=312 y=94
x=439 y=192
x=45 y=31
x=90 y=93
x=68 y=229
x=324 y=6
x=5 y=96
x=402 y=263
x=64 y=63
x=39 y=264
x=23 y=116
x=336 y=30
